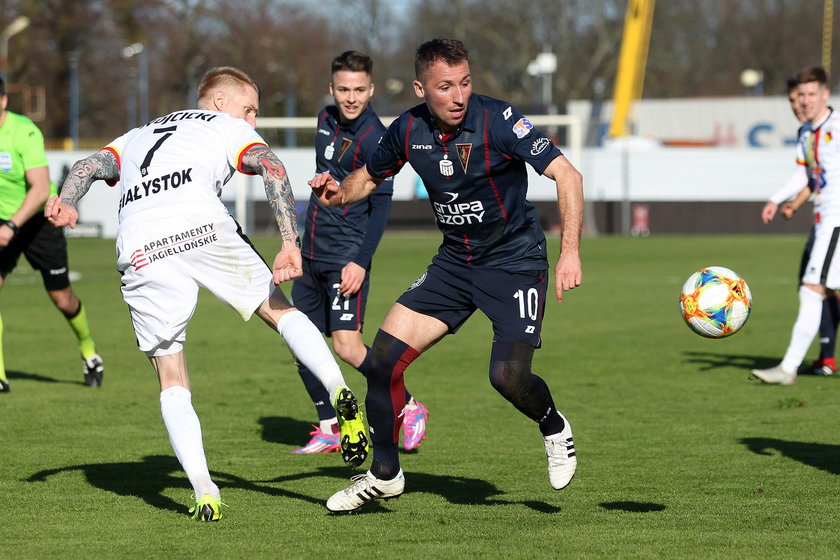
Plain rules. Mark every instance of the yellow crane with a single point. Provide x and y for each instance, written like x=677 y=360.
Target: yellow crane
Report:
x=631 y=63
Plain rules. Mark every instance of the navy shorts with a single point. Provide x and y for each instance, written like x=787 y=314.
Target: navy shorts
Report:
x=316 y=294
x=44 y=247
x=513 y=301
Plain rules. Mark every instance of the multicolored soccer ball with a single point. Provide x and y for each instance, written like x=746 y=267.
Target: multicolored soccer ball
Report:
x=715 y=302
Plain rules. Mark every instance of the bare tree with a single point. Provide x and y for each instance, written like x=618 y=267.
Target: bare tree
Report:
x=698 y=47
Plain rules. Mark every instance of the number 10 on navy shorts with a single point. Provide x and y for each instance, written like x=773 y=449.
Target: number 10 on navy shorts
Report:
x=513 y=301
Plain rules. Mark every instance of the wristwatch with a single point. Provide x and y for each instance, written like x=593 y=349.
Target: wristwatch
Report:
x=13 y=226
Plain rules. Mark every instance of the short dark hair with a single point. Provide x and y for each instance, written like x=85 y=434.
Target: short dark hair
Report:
x=2 y=87
x=792 y=84
x=352 y=61
x=812 y=74
x=450 y=51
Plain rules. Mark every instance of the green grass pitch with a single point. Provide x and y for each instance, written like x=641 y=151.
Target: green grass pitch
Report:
x=680 y=454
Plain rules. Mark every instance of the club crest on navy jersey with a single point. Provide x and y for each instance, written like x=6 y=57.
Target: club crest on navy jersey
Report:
x=329 y=151
x=345 y=144
x=464 y=154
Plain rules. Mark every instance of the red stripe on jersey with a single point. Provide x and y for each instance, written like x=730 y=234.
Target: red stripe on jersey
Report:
x=816 y=171
x=392 y=171
x=817 y=147
x=312 y=233
x=444 y=138
x=407 y=136
x=112 y=182
x=242 y=153
x=359 y=310
x=467 y=246
x=113 y=151
x=487 y=166
x=359 y=147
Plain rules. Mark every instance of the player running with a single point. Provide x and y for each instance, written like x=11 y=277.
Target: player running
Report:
x=818 y=155
x=176 y=236
x=470 y=151
x=338 y=244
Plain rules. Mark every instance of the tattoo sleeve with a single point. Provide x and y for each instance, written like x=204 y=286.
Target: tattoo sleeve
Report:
x=101 y=165
x=278 y=189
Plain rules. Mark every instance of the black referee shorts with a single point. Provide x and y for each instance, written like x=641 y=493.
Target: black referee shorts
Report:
x=44 y=246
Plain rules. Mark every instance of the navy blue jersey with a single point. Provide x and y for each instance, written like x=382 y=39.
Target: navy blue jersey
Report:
x=342 y=235
x=476 y=179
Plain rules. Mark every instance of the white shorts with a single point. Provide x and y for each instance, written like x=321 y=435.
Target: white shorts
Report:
x=824 y=265
x=165 y=260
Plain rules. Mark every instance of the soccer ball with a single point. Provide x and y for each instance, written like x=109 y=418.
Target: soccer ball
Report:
x=715 y=302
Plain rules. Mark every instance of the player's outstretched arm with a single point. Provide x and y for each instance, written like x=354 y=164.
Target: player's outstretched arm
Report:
x=792 y=187
x=768 y=212
x=789 y=208
x=278 y=191
x=568 y=273
x=356 y=186
x=61 y=210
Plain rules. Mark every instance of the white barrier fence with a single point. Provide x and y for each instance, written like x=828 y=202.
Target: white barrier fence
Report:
x=640 y=173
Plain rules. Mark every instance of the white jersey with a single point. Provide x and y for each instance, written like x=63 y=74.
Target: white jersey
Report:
x=818 y=150
x=180 y=161
x=175 y=234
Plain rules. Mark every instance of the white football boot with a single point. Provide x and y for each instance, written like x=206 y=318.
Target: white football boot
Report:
x=775 y=375
x=365 y=488
x=562 y=460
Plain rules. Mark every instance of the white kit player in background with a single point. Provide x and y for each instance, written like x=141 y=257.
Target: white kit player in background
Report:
x=175 y=236
x=818 y=156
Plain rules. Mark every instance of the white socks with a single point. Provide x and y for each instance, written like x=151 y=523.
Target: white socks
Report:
x=310 y=348
x=805 y=328
x=326 y=426
x=184 y=430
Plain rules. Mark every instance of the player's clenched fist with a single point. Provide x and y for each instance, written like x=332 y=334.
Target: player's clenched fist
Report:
x=287 y=264
x=60 y=214
x=567 y=275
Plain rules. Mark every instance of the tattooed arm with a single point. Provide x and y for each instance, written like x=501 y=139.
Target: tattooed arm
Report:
x=261 y=160
x=278 y=190
x=61 y=210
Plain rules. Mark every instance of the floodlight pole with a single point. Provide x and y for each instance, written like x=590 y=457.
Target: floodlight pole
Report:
x=19 y=24
x=828 y=30
x=142 y=82
x=73 y=60
x=545 y=65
